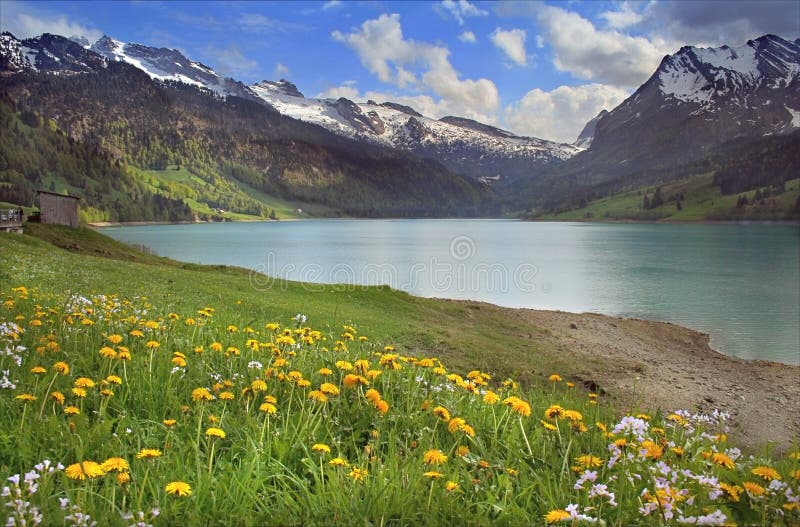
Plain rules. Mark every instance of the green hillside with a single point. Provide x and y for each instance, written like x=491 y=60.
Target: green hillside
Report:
x=690 y=199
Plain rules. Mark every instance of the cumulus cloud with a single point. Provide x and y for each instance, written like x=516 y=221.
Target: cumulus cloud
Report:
x=407 y=63
x=625 y=16
x=561 y=114
x=512 y=43
x=25 y=22
x=467 y=36
x=460 y=10
x=606 y=56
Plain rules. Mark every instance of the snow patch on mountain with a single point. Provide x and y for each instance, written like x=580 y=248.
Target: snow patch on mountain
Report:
x=795 y=122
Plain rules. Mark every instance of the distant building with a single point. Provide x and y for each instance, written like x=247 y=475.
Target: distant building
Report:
x=60 y=209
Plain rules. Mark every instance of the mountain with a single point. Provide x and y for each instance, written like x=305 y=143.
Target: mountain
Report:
x=121 y=136
x=50 y=53
x=166 y=64
x=467 y=147
x=697 y=100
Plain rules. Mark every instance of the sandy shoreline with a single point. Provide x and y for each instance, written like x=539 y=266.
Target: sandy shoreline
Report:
x=659 y=365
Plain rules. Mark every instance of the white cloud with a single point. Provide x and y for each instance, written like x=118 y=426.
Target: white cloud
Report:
x=348 y=92
x=424 y=104
x=539 y=41
x=609 y=57
x=467 y=36
x=460 y=9
x=406 y=63
x=624 y=16
x=281 y=71
x=561 y=114
x=231 y=61
x=331 y=4
x=25 y=21
x=512 y=43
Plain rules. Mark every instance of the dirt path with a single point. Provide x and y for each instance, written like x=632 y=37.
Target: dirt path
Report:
x=645 y=364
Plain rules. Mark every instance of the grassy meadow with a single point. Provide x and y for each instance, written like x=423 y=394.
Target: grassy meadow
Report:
x=135 y=390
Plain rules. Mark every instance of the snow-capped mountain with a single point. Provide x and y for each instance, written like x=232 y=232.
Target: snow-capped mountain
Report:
x=471 y=148
x=166 y=64
x=711 y=95
x=51 y=53
x=695 y=102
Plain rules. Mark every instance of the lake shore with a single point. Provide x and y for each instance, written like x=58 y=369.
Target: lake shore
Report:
x=659 y=365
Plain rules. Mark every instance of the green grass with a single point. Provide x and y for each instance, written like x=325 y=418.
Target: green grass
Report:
x=701 y=202
x=190 y=328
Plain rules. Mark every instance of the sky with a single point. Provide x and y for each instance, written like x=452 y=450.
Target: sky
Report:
x=540 y=69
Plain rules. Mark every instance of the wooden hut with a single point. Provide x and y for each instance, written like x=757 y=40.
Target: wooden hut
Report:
x=61 y=209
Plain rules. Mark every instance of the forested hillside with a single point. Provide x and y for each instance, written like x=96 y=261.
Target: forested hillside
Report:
x=98 y=132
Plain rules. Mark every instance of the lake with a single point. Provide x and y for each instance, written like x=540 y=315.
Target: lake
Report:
x=738 y=282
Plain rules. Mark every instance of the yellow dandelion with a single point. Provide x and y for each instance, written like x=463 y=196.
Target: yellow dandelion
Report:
x=114 y=379
x=433 y=474
x=338 y=462
x=573 y=415
x=555 y=516
x=123 y=478
x=490 y=397
x=731 y=491
x=226 y=396
x=72 y=410
x=78 y=392
x=115 y=464
x=588 y=461
x=201 y=394
x=329 y=389
x=554 y=412
x=358 y=474
x=548 y=426
x=767 y=473
x=322 y=448
x=450 y=486
x=462 y=451
x=58 y=397
x=84 y=382
x=434 y=457
x=442 y=413
x=754 y=489
x=178 y=488
x=382 y=406
x=216 y=432
x=152 y=344
x=652 y=450
x=723 y=460
x=26 y=397
x=61 y=367
x=83 y=470
x=169 y=422
x=114 y=339
x=148 y=453
x=555 y=378
x=268 y=408
x=38 y=369
x=108 y=352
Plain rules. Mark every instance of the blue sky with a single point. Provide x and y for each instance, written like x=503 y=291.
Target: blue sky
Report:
x=536 y=68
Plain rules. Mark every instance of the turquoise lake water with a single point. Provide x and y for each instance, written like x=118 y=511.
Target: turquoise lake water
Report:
x=738 y=282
